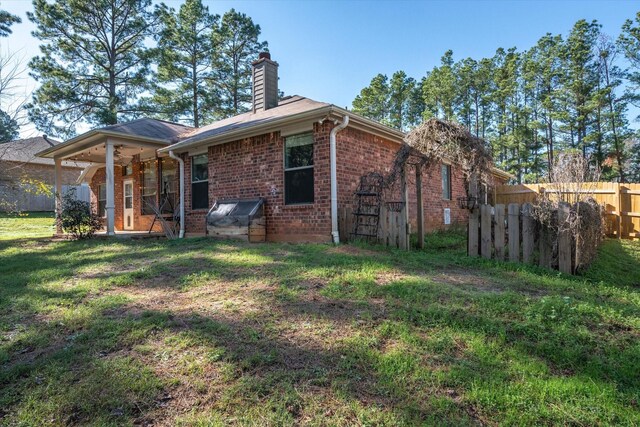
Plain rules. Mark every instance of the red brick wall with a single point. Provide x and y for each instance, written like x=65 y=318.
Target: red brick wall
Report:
x=359 y=152
x=14 y=171
x=140 y=222
x=254 y=167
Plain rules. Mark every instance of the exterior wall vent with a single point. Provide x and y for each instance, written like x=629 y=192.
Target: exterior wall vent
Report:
x=265 y=83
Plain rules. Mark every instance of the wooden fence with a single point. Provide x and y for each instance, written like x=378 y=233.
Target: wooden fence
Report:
x=511 y=235
x=621 y=203
x=393 y=229
x=22 y=200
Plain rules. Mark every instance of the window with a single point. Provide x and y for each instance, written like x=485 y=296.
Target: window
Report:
x=102 y=200
x=446 y=182
x=298 y=169
x=127 y=170
x=199 y=182
x=169 y=186
x=149 y=186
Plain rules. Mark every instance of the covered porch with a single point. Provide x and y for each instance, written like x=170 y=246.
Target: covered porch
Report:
x=133 y=189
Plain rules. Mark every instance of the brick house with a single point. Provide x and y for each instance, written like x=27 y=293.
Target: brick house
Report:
x=303 y=157
x=20 y=167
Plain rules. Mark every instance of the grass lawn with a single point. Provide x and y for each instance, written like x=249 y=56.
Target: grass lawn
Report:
x=26 y=225
x=204 y=332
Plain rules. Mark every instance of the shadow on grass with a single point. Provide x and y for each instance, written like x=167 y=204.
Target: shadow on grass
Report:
x=416 y=352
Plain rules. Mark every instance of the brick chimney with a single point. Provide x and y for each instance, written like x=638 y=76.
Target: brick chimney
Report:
x=265 y=83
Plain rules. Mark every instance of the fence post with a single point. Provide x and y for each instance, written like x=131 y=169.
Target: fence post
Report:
x=382 y=225
x=498 y=233
x=545 y=248
x=528 y=236
x=472 y=232
x=485 y=231
x=619 y=209
x=564 y=240
x=513 y=224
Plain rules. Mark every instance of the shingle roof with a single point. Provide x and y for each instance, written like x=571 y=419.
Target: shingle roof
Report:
x=25 y=150
x=150 y=128
x=287 y=107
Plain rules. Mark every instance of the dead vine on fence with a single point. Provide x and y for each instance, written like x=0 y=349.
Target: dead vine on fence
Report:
x=435 y=141
x=573 y=179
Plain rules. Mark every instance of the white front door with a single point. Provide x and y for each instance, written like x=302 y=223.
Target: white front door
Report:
x=128 y=205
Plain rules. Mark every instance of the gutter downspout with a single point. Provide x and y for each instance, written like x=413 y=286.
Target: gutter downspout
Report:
x=334 y=179
x=182 y=219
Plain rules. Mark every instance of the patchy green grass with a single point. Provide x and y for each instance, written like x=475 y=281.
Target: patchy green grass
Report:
x=203 y=332
x=26 y=225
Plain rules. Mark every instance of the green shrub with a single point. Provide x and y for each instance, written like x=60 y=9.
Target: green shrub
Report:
x=76 y=217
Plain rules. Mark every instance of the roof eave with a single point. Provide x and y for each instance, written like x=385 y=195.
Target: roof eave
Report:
x=357 y=121
x=50 y=152
x=502 y=173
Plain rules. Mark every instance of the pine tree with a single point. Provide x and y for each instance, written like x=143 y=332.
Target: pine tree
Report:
x=184 y=51
x=94 y=62
x=373 y=100
x=401 y=95
x=236 y=44
x=629 y=44
x=616 y=127
x=580 y=82
x=548 y=69
x=6 y=21
x=8 y=128
x=439 y=90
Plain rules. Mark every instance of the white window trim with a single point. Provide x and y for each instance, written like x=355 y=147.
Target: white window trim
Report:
x=285 y=169
x=192 y=164
x=102 y=200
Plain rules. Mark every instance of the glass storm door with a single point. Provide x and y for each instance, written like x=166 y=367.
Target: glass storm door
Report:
x=128 y=205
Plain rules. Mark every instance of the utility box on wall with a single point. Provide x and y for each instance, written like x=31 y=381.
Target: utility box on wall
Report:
x=238 y=219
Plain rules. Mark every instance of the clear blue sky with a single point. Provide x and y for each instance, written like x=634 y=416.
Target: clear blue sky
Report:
x=330 y=50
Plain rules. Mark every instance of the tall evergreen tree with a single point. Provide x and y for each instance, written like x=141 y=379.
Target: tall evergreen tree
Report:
x=548 y=66
x=439 y=89
x=629 y=44
x=615 y=124
x=581 y=81
x=184 y=51
x=236 y=44
x=373 y=100
x=94 y=62
x=401 y=96
x=6 y=21
x=8 y=128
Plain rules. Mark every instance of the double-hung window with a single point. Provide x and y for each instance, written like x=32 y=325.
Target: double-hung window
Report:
x=298 y=169
x=149 y=186
x=102 y=200
x=446 y=182
x=199 y=182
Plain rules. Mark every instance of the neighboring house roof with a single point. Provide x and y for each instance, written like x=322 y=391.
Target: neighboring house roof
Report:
x=290 y=110
x=25 y=151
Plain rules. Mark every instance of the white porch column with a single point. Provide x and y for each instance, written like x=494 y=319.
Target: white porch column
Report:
x=58 y=192
x=110 y=206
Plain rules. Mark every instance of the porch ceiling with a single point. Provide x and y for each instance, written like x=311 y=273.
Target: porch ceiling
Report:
x=94 y=149
x=122 y=154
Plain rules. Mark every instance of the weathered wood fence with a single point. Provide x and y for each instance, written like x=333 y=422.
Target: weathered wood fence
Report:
x=22 y=200
x=509 y=233
x=393 y=228
x=621 y=203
